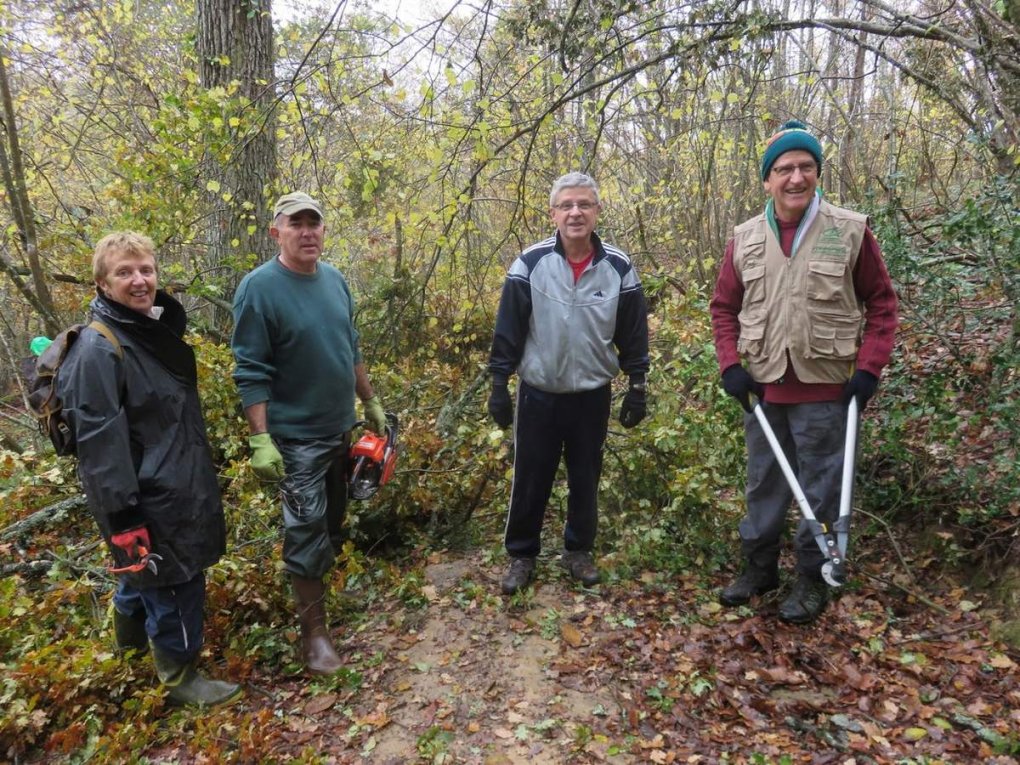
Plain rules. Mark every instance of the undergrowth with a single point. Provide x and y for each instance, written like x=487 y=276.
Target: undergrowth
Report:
x=937 y=452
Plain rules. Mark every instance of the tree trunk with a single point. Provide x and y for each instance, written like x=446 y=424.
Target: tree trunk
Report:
x=235 y=47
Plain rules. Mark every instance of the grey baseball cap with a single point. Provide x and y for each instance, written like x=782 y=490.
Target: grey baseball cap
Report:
x=295 y=202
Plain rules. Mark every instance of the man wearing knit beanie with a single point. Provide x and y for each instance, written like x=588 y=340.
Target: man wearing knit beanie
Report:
x=803 y=316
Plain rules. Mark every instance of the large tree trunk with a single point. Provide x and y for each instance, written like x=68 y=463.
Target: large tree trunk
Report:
x=235 y=47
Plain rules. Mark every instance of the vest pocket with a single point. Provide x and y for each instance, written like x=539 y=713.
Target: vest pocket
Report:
x=833 y=337
x=825 y=279
x=751 y=342
x=754 y=284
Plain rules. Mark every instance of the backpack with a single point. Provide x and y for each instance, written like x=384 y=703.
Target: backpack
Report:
x=42 y=385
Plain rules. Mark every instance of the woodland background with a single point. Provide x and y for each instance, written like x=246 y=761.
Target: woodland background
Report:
x=432 y=144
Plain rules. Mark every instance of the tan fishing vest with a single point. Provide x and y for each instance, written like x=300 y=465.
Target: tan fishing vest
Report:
x=805 y=304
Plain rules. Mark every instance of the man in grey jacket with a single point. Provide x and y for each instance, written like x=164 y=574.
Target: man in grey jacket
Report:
x=572 y=316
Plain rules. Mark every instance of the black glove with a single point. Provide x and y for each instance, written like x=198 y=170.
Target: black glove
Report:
x=634 y=407
x=863 y=385
x=738 y=382
x=501 y=408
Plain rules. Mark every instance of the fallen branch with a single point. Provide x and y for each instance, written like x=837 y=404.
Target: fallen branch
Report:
x=36 y=568
x=30 y=569
x=54 y=512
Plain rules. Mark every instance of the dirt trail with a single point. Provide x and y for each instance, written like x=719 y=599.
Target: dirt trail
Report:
x=486 y=678
x=649 y=670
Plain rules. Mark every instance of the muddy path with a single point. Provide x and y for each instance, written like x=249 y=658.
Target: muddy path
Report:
x=648 y=670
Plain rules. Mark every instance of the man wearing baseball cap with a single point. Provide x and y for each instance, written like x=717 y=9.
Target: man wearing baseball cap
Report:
x=298 y=369
x=804 y=316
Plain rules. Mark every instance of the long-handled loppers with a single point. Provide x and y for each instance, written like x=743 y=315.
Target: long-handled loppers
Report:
x=831 y=539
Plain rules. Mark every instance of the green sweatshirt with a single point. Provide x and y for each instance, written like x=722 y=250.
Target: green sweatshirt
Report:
x=295 y=347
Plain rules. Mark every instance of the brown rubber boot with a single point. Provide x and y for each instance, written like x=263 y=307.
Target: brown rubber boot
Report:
x=317 y=651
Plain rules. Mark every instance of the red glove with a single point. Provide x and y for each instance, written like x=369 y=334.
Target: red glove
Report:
x=132 y=542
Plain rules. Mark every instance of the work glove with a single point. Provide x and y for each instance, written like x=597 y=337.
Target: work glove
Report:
x=131 y=541
x=265 y=458
x=863 y=385
x=501 y=408
x=634 y=406
x=738 y=382
x=375 y=417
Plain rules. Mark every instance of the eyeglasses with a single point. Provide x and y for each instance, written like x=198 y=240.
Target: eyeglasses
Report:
x=582 y=206
x=785 y=171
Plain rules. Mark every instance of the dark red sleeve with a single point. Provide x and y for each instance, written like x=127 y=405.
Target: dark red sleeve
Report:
x=874 y=288
x=725 y=305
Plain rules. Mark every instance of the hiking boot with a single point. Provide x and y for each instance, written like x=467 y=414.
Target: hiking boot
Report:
x=518 y=576
x=753 y=581
x=187 y=687
x=805 y=602
x=129 y=632
x=581 y=566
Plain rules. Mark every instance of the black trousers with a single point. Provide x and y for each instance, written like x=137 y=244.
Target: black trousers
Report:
x=548 y=426
x=314 y=499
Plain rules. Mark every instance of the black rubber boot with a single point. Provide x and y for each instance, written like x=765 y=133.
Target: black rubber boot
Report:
x=129 y=632
x=187 y=687
x=317 y=651
x=518 y=576
x=754 y=580
x=805 y=602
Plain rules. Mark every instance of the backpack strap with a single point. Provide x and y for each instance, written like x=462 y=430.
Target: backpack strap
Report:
x=106 y=332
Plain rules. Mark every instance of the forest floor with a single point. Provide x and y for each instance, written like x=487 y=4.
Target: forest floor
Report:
x=648 y=670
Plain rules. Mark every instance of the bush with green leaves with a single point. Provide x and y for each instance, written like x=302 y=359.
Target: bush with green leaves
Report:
x=941 y=440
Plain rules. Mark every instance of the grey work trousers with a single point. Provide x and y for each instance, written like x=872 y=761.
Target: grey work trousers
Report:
x=812 y=436
x=314 y=499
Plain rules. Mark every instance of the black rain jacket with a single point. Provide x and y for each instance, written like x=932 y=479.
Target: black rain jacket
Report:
x=144 y=458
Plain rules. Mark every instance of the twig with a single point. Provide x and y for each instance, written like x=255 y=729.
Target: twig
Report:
x=892 y=539
x=909 y=591
x=931 y=634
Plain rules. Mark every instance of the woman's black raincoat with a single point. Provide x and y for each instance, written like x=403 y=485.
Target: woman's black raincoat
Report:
x=144 y=458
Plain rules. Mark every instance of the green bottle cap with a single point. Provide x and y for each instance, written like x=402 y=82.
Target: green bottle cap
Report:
x=39 y=344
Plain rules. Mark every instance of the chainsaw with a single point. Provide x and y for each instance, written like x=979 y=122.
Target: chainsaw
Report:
x=371 y=459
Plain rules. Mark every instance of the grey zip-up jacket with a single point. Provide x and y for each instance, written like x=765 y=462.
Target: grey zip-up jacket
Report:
x=566 y=337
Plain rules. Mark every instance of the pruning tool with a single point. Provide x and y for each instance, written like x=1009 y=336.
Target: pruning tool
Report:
x=146 y=560
x=832 y=540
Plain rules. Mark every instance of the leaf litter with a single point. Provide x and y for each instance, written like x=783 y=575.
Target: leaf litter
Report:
x=634 y=672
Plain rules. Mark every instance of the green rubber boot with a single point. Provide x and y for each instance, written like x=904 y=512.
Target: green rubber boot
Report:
x=187 y=687
x=129 y=633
